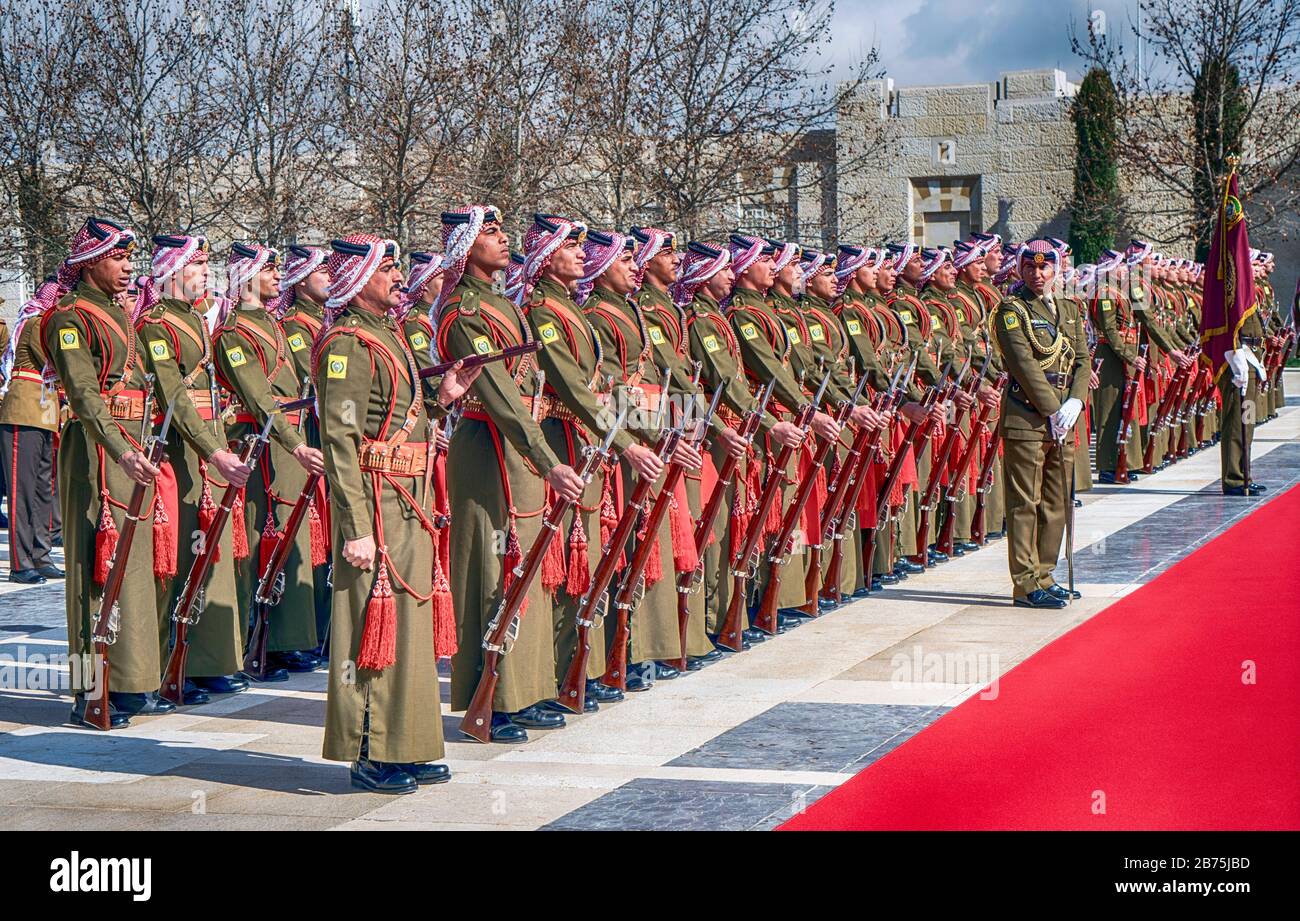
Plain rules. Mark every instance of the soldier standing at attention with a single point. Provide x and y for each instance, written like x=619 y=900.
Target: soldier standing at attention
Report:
x=253 y=357
x=170 y=321
x=29 y=417
x=382 y=711
x=570 y=355
x=300 y=308
x=101 y=365
x=656 y=262
x=498 y=467
x=1041 y=339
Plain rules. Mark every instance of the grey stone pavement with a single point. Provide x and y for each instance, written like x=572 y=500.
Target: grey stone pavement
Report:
x=742 y=744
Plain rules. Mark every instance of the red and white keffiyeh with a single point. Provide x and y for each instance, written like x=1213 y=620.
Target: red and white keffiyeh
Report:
x=599 y=250
x=425 y=267
x=94 y=241
x=544 y=237
x=700 y=263
x=352 y=260
x=170 y=255
x=651 y=241
x=848 y=260
x=45 y=298
x=300 y=262
x=460 y=228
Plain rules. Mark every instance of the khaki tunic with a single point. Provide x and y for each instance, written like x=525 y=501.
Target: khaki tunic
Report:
x=91 y=356
x=180 y=349
x=496 y=442
x=570 y=354
x=364 y=364
x=628 y=356
x=253 y=359
x=1038 y=338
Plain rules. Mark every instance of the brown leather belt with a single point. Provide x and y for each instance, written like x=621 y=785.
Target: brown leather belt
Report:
x=474 y=409
x=407 y=459
x=293 y=417
x=1252 y=341
x=125 y=405
x=202 y=400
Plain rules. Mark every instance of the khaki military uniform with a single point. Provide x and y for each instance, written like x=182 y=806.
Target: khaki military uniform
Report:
x=495 y=464
x=1235 y=438
x=372 y=404
x=1043 y=345
x=29 y=418
x=181 y=352
x=253 y=361
x=101 y=365
x=1117 y=347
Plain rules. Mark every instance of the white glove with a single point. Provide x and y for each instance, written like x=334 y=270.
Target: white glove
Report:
x=1254 y=362
x=1069 y=413
x=1239 y=366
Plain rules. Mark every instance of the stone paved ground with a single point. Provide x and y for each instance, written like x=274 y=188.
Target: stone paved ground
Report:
x=740 y=745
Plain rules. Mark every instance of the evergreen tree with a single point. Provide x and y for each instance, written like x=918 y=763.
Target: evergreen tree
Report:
x=1220 y=107
x=1096 y=204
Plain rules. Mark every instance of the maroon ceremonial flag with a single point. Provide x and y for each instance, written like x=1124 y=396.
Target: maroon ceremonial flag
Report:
x=1229 y=280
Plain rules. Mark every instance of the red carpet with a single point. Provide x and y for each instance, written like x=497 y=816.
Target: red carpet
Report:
x=1144 y=705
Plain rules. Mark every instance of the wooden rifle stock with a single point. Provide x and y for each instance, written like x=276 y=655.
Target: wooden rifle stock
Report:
x=108 y=619
x=954 y=492
x=931 y=494
x=709 y=515
x=504 y=627
x=270 y=587
x=1127 y=414
x=189 y=606
x=978 y=533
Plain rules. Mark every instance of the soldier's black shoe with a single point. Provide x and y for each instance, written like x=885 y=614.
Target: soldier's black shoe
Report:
x=936 y=556
x=830 y=604
x=273 y=673
x=56 y=540
x=754 y=635
x=665 y=672
x=996 y=535
x=788 y=621
x=887 y=578
x=221 y=684
x=535 y=717
x=116 y=720
x=713 y=655
x=139 y=704
x=1257 y=488
x=26 y=576
x=505 y=730
x=640 y=677
x=693 y=664
x=50 y=571
x=193 y=695
x=602 y=693
x=1060 y=591
x=904 y=567
x=967 y=546
x=589 y=705
x=294 y=661
x=1251 y=490
x=878 y=583
x=1106 y=477
x=381 y=777
x=426 y=772
x=1039 y=598
x=864 y=591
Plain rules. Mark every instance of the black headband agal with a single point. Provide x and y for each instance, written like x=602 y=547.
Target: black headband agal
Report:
x=703 y=249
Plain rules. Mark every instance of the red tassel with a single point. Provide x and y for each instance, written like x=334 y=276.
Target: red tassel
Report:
x=207 y=510
x=105 y=541
x=553 y=565
x=514 y=555
x=654 y=567
x=578 y=578
x=319 y=546
x=271 y=537
x=164 y=541
x=608 y=514
x=685 y=559
x=239 y=530
x=379 y=636
x=773 y=523
x=444 y=614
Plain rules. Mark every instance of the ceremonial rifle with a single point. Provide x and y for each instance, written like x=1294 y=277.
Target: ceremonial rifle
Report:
x=592 y=605
x=473 y=361
x=744 y=564
x=931 y=494
x=189 y=606
x=956 y=490
x=1128 y=411
x=913 y=433
x=108 y=619
x=985 y=481
x=858 y=463
x=689 y=582
x=625 y=599
x=1161 y=421
x=766 y=618
x=504 y=627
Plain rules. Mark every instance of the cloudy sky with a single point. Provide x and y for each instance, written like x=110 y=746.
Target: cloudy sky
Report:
x=960 y=41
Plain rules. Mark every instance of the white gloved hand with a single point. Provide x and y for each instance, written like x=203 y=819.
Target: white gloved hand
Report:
x=1249 y=355
x=1069 y=413
x=1237 y=363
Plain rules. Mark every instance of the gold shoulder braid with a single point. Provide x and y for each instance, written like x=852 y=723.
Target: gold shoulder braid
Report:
x=1046 y=354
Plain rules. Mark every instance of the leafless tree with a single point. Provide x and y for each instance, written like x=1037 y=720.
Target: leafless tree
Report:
x=1218 y=77
x=43 y=63
x=276 y=52
x=154 y=118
